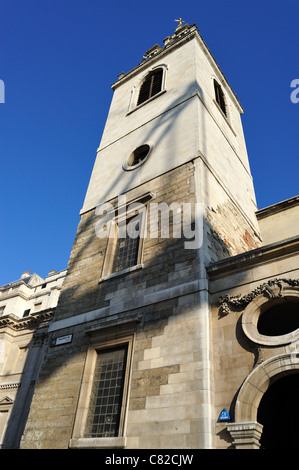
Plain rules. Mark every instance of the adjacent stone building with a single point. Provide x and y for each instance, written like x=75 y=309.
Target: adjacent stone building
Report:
x=178 y=314
x=27 y=308
x=254 y=307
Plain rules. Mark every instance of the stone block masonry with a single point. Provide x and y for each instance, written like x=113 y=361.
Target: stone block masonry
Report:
x=166 y=344
x=168 y=402
x=184 y=360
x=161 y=256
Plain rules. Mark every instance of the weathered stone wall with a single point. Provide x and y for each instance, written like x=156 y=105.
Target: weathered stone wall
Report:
x=166 y=262
x=170 y=398
x=167 y=398
x=235 y=355
x=50 y=421
x=164 y=380
x=187 y=362
x=22 y=347
x=279 y=221
x=166 y=401
x=228 y=232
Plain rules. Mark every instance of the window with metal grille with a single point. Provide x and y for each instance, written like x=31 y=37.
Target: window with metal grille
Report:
x=127 y=244
x=107 y=393
x=150 y=86
x=219 y=96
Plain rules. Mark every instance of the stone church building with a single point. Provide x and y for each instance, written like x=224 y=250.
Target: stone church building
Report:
x=177 y=322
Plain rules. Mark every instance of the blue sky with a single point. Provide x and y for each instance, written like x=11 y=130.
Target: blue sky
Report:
x=58 y=59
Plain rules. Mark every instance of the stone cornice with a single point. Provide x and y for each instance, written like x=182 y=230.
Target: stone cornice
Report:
x=30 y=322
x=253 y=257
x=158 y=55
x=183 y=34
x=15 y=293
x=139 y=301
x=9 y=386
x=279 y=207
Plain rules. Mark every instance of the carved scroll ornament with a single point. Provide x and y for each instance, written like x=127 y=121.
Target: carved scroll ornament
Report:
x=270 y=289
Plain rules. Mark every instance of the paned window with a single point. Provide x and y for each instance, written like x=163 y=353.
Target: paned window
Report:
x=103 y=400
x=125 y=236
x=151 y=85
x=127 y=246
x=107 y=393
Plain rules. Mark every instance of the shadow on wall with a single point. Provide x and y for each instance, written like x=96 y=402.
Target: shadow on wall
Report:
x=167 y=264
x=57 y=390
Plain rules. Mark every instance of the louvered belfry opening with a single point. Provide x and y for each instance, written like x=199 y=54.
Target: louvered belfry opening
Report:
x=151 y=86
x=219 y=95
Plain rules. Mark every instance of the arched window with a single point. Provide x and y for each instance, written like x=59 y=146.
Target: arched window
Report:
x=219 y=96
x=150 y=86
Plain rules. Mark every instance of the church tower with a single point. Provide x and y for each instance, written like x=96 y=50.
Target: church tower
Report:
x=129 y=361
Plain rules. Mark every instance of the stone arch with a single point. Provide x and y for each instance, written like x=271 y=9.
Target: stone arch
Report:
x=136 y=89
x=258 y=381
x=246 y=431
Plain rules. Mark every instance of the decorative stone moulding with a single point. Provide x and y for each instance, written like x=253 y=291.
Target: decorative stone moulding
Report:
x=270 y=290
x=5 y=404
x=8 y=386
x=246 y=431
x=258 y=382
x=32 y=321
x=256 y=302
x=245 y=435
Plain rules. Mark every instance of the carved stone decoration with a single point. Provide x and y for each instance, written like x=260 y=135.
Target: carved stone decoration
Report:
x=30 y=322
x=6 y=404
x=271 y=289
x=10 y=386
x=39 y=339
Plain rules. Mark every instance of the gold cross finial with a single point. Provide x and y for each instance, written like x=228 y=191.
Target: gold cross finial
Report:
x=180 y=21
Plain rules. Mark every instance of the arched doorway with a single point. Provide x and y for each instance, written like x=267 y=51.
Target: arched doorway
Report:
x=278 y=412
x=246 y=430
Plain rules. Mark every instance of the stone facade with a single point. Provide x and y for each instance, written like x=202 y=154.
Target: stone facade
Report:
x=247 y=362
x=165 y=399
x=28 y=306
x=187 y=317
x=30 y=294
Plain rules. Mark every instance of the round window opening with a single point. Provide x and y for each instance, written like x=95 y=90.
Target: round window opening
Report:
x=138 y=157
x=279 y=320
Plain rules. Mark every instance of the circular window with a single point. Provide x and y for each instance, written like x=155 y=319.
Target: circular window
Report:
x=138 y=157
x=272 y=322
x=279 y=320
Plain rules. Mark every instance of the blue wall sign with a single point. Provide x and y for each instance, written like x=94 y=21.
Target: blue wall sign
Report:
x=224 y=415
